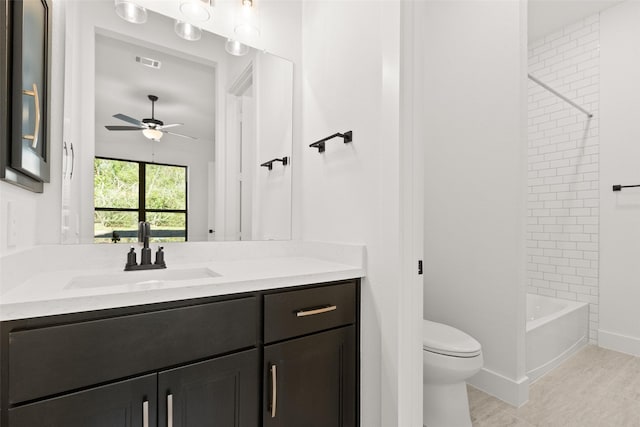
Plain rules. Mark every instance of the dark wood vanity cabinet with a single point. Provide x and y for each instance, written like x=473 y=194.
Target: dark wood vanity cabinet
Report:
x=222 y=392
x=310 y=357
x=311 y=381
x=192 y=363
x=129 y=403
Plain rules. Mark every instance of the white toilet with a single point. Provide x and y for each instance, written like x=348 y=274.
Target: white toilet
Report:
x=449 y=357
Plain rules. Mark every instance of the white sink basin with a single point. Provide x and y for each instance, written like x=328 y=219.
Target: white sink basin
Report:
x=141 y=278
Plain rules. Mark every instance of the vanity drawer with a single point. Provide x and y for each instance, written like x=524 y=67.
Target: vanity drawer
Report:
x=294 y=313
x=51 y=360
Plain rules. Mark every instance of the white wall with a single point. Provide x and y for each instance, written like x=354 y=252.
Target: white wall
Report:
x=563 y=165
x=474 y=62
x=274 y=96
x=351 y=192
x=620 y=151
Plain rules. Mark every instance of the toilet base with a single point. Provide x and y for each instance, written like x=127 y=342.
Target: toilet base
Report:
x=445 y=405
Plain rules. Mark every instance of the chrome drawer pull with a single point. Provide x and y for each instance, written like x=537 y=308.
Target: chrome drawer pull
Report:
x=145 y=413
x=313 y=311
x=169 y=410
x=36 y=130
x=274 y=390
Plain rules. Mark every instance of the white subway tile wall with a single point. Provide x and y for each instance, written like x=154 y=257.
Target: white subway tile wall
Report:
x=563 y=166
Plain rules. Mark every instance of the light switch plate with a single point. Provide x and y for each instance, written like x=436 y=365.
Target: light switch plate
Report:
x=12 y=227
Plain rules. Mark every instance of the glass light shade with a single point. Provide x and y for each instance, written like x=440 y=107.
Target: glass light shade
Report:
x=247 y=21
x=196 y=10
x=131 y=12
x=187 y=31
x=236 y=48
x=153 y=134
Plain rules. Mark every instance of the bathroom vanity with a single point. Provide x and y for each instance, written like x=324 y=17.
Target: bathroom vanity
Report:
x=264 y=355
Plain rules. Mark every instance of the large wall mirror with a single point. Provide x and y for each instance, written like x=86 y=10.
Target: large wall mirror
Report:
x=171 y=131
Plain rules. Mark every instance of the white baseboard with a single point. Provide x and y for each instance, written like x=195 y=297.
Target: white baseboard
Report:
x=515 y=393
x=618 y=342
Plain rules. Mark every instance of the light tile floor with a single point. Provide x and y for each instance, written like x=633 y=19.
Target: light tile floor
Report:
x=594 y=388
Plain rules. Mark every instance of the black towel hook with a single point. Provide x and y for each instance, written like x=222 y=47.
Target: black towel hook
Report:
x=320 y=145
x=269 y=164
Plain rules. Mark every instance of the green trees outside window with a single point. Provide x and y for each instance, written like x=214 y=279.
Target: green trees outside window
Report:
x=127 y=192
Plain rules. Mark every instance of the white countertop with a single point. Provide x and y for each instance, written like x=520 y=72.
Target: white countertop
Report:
x=239 y=267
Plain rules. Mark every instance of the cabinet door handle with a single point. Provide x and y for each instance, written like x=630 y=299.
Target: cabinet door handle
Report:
x=169 y=410
x=36 y=130
x=313 y=311
x=145 y=413
x=73 y=161
x=274 y=390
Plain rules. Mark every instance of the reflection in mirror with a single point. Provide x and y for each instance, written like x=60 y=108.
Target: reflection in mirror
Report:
x=140 y=102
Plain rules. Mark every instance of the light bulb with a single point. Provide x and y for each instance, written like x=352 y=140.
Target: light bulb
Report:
x=247 y=24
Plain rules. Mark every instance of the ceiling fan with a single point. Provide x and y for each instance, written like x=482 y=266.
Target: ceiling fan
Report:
x=151 y=128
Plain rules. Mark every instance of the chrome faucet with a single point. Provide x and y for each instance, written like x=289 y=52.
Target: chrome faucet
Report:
x=144 y=233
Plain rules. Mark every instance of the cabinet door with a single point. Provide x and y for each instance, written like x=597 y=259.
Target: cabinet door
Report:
x=30 y=45
x=223 y=392
x=311 y=381
x=52 y=360
x=130 y=403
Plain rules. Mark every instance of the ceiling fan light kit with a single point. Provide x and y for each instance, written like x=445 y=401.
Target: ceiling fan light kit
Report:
x=152 y=134
x=152 y=128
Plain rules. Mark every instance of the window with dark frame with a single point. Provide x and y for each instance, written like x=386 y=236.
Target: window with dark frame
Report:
x=127 y=192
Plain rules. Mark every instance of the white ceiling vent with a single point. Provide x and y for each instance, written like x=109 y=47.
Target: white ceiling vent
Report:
x=152 y=63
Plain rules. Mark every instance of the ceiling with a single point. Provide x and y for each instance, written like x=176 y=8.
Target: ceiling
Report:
x=185 y=90
x=547 y=16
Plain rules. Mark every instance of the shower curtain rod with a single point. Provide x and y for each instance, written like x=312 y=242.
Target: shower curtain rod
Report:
x=556 y=93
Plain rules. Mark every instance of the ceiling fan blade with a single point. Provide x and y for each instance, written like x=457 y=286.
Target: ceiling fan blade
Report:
x=170 y=126
x=128 y=119
x=179 y=134
x=112 y=127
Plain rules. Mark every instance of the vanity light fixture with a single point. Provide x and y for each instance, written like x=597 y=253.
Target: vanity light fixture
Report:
x=236 y=48
x=247 y=20
x=152 y=134
x=131 y=12
x=187 y=31
x=196 y=10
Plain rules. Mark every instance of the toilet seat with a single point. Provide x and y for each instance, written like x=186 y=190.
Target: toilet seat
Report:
x=447 y=340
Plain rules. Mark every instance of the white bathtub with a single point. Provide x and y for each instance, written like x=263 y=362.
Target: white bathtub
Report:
x=556 y=329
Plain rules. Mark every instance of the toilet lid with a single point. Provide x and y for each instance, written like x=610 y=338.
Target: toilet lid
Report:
x=447 y=340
